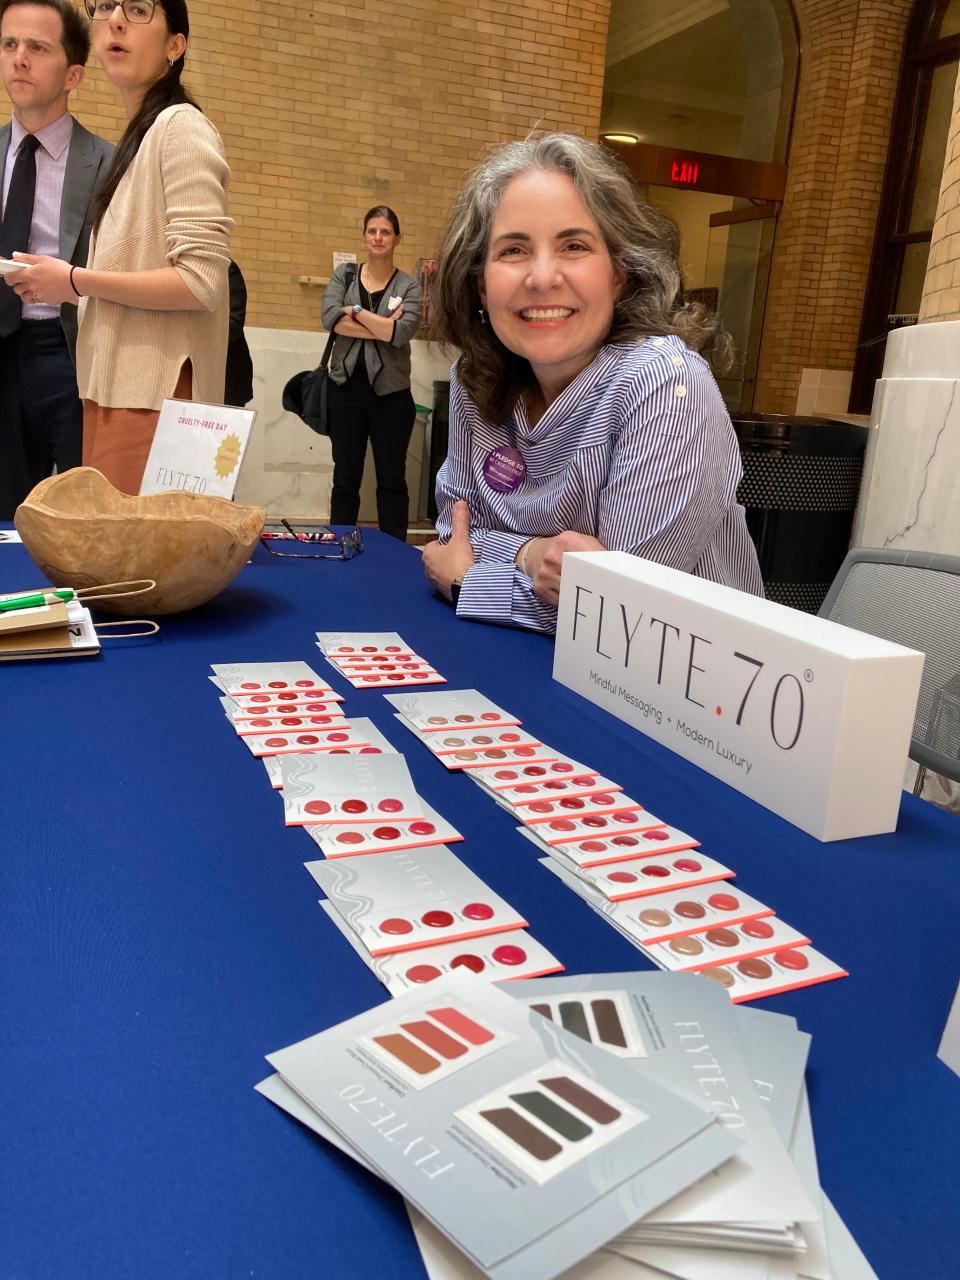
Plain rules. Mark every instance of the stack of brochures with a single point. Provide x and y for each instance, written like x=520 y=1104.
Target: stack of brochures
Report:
x=45 y=624
x=611 y=1125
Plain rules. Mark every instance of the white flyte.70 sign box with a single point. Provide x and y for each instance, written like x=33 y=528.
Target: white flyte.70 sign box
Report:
x=808 y=718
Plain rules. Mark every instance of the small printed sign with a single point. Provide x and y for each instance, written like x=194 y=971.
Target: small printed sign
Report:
x=197 y=448
x=808 y=718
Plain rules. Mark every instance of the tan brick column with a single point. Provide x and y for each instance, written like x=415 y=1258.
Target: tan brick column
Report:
x=848 y=78
x=941 y=285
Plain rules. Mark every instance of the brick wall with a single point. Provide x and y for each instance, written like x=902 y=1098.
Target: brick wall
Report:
x=848 y=77
x=941 y=285
x=328 y=108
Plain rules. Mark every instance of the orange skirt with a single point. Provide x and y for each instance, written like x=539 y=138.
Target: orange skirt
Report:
x=117 y=441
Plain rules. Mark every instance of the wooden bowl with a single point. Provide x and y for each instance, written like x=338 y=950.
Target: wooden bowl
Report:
x=82 y=532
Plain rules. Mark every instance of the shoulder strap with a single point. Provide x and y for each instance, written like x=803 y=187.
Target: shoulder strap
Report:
x=349 y=275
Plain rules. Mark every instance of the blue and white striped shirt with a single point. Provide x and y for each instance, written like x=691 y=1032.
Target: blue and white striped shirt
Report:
x=638 y=451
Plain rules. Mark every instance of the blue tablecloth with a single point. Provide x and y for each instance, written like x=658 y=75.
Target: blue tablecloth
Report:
x=159 y=935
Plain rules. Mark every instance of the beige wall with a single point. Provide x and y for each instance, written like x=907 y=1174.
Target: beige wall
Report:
x=328 y=108
x=941 y=286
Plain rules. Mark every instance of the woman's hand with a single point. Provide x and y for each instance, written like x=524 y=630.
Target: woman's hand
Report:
x=542 y=560
x=47 y=281
x=446 y=563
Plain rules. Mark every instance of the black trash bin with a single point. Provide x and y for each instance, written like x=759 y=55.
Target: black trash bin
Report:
x=801 y=481
x=439 y=436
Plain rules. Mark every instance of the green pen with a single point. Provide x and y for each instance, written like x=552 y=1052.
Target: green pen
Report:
x=40 y=598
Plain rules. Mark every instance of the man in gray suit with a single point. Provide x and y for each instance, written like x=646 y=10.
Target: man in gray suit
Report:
x=50 y=167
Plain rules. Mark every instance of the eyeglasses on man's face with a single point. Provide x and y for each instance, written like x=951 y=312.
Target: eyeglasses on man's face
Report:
x=312 y=544
x=133 y=10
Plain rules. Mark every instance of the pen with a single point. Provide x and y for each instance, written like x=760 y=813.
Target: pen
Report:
x=34 y=601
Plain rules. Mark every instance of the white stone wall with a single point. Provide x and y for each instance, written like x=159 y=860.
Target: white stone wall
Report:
x=288 y=468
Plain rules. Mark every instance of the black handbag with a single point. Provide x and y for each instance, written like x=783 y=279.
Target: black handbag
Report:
x=306 y=393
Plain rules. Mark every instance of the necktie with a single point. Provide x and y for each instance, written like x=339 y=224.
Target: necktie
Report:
x=15 y=228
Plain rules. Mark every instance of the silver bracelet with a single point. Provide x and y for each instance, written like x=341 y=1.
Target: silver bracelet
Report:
x=523 y=555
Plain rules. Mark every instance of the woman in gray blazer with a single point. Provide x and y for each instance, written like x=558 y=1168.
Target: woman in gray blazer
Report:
x=374 y=311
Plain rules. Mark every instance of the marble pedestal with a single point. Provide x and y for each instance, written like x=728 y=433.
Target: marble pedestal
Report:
x=288 y=468
x=910 y=496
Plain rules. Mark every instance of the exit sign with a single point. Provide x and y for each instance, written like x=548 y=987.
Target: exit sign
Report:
x=685 y=172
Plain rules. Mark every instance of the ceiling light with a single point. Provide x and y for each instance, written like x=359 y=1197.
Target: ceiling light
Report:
x=630 y=138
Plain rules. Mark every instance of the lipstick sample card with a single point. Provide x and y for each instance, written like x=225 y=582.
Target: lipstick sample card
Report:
x=377 y=745
x=243 y=680
x=525 y=752
x=415 y=898
x=771 y=974
x=290 y=741
x=510 y=775
x=325 y=788
x=452 y=709
x=375 y=658
x=459 y=1096
x=403 y=673
x=267 y=704
x=575 y=829
x=600 y=849
x=724 y=944
x=681 y=911
x=351 y=643
x=341 y=841
x=495 y=958
x=518 y=798
x=451 y=741
x=246 y=725
x=534 y=813
x=626 y=916
x=640 y=878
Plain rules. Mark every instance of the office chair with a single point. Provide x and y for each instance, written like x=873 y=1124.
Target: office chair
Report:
x=913 y=599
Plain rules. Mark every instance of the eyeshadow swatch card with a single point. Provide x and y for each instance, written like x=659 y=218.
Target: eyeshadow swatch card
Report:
x=377 y=745
x=451 y=709
x=324 y=788
x=341 y=841
x=412 y=898
x=616 y=846
x=458 y=1095
x=690 y=1041
x=496 y=958
x=244 y=680
x=643 y=877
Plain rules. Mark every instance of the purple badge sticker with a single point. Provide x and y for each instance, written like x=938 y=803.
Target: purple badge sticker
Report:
x=504 y=469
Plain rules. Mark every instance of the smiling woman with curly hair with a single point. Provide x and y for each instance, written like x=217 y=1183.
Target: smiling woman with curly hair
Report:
x=583 y=414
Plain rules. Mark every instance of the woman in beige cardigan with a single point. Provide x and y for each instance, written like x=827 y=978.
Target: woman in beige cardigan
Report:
x=154 y=302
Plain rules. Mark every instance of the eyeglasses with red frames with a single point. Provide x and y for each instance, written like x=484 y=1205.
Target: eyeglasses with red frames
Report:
x=306 y=544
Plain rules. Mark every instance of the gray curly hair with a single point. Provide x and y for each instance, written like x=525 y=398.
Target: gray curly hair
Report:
x=643 y=242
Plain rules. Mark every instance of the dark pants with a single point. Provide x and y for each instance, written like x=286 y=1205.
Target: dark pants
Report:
x=41 y=417
x=387 y=421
